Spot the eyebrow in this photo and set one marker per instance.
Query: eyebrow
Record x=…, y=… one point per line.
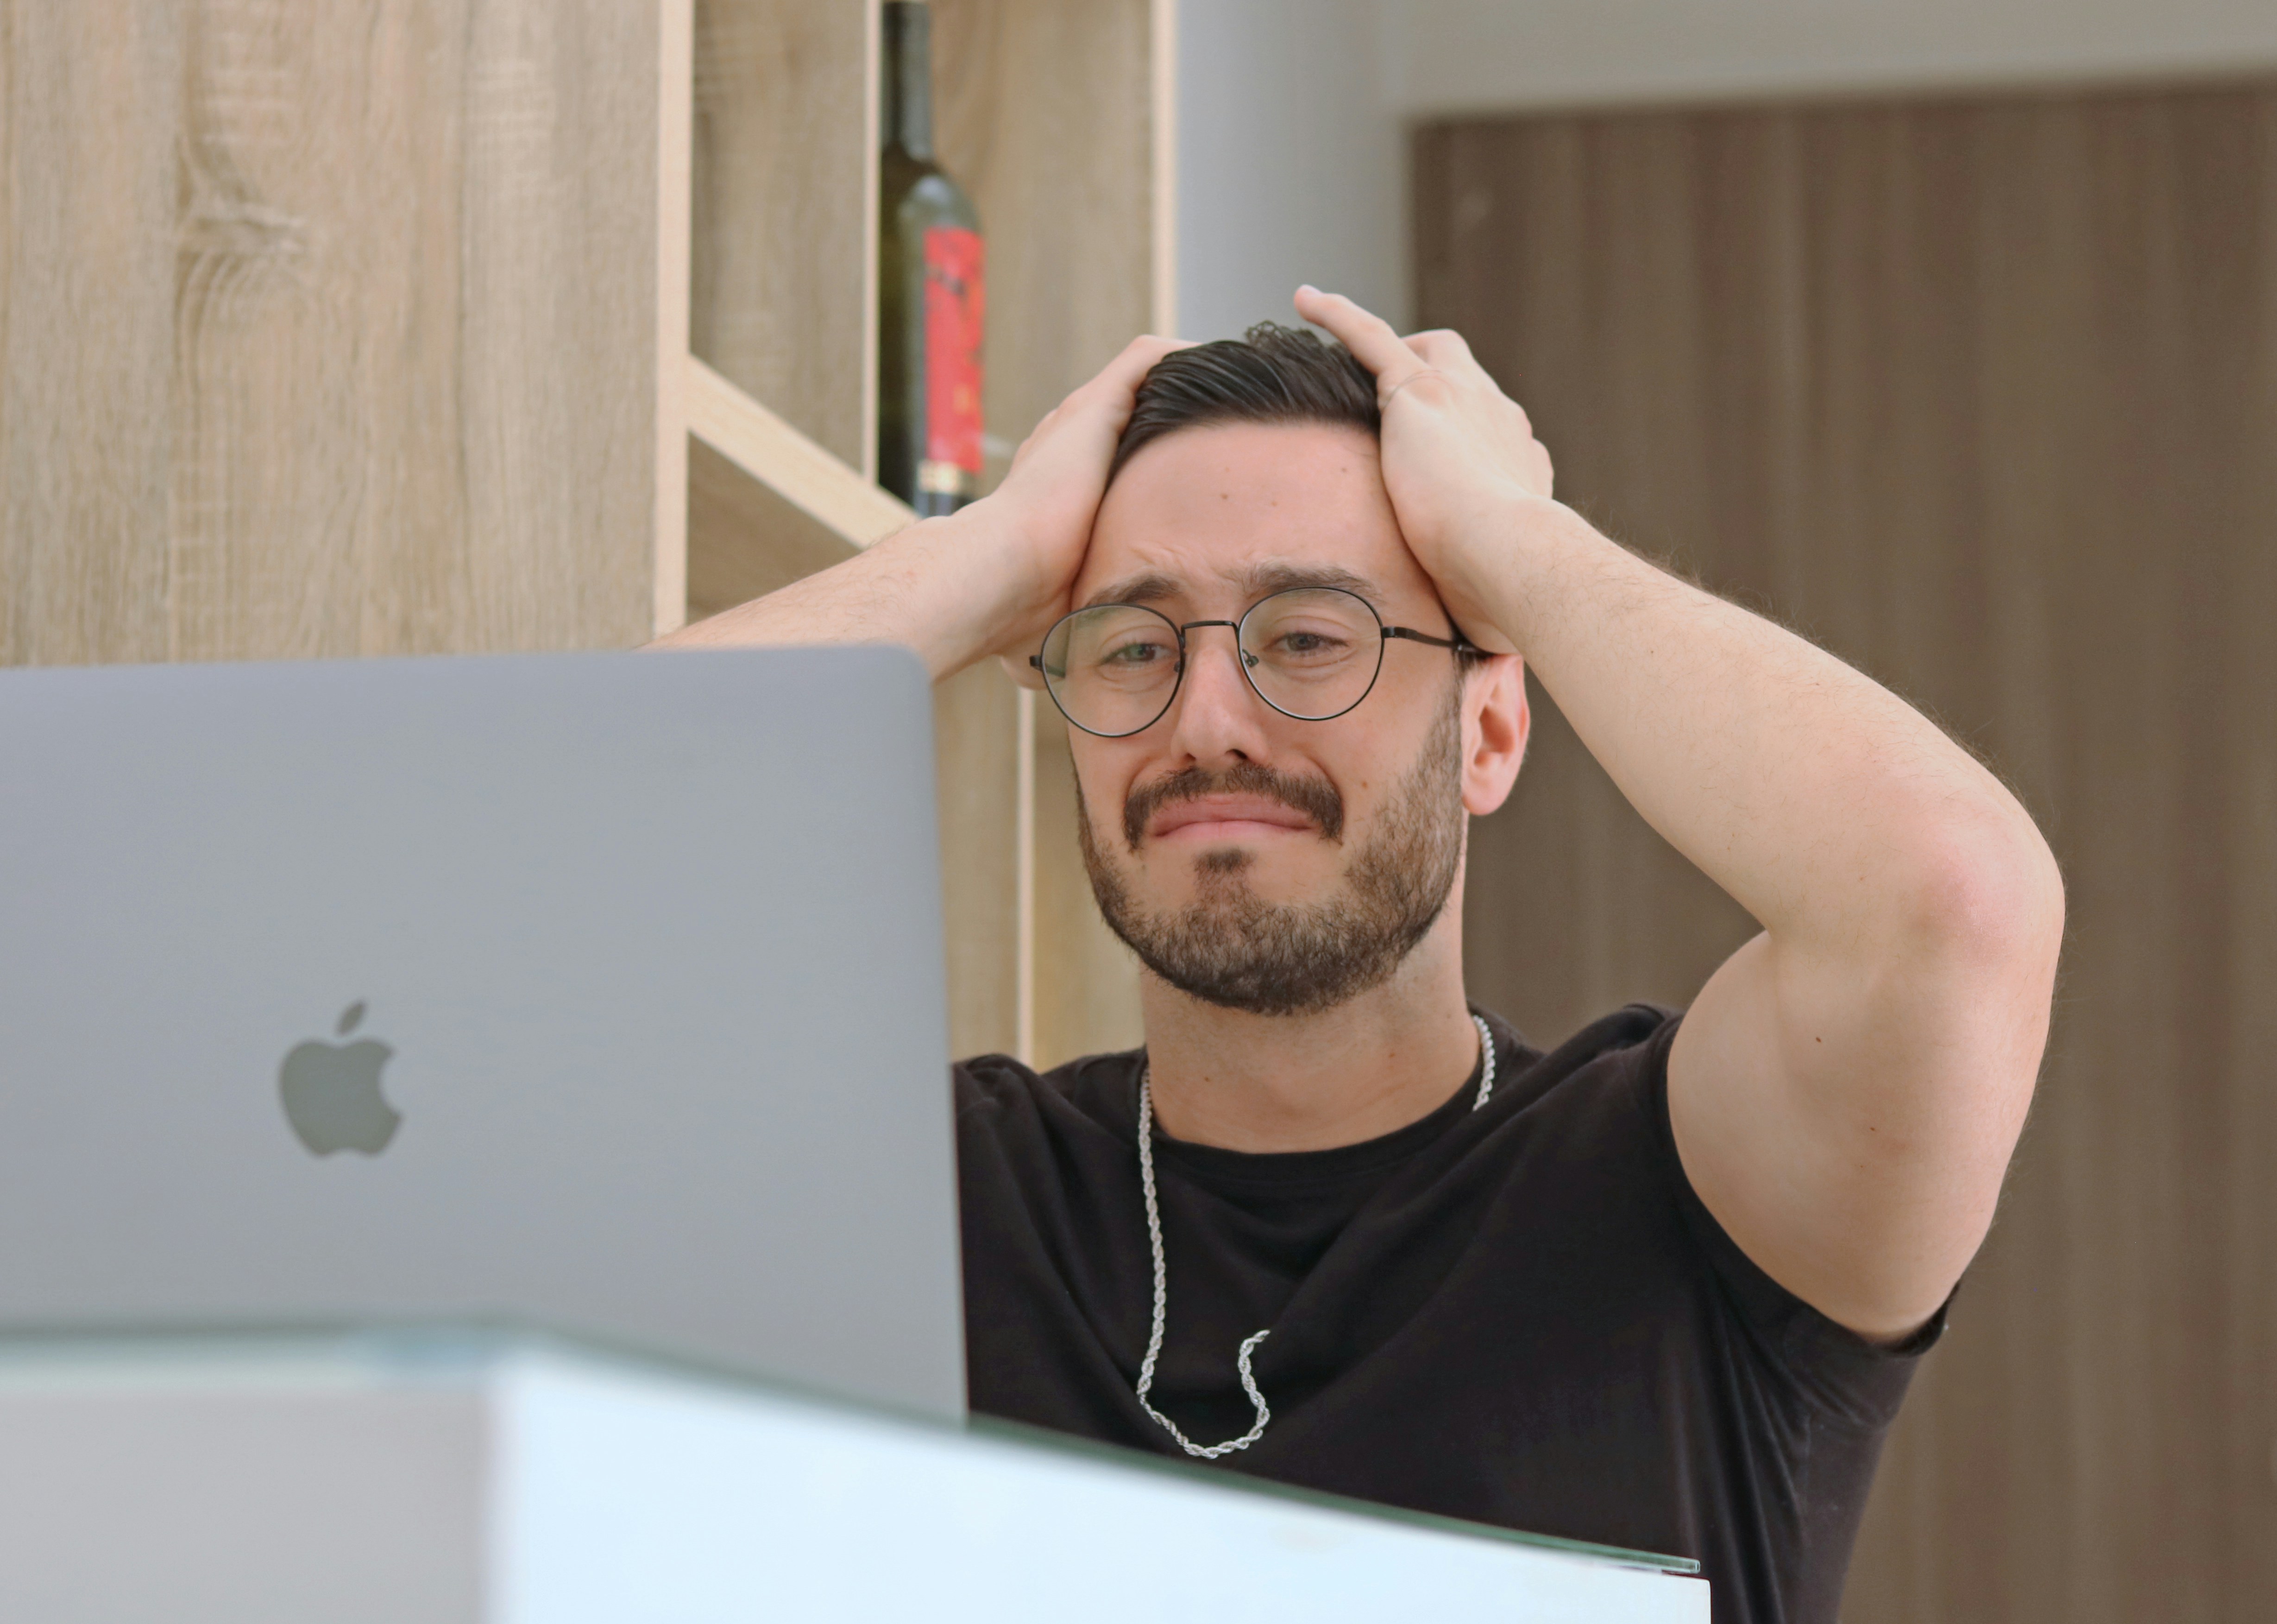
x=1257, y=581
x=1152, y=586
x=1281, y=575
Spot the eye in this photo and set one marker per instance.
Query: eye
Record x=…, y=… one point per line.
x=1137, y=651
x=1309, y=644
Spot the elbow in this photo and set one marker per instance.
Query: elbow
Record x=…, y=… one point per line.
x=1988, y=898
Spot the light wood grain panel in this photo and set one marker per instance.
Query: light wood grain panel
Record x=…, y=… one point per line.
x=1162, y=70
x=1045, y=113
x=785, y=193
x=317, y=502
x=745, y=539
x=90, y=105
x=783, y=309
x=674, y=120
x=770, y=450
x=347, y=327
x=975, y=721
x=1087, y=981
x=1983, y=395
x=371, y=363
x=558, y=286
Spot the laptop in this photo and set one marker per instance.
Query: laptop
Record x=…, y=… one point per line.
x=596, y=993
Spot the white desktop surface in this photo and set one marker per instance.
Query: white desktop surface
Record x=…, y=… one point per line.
x=393, y=1478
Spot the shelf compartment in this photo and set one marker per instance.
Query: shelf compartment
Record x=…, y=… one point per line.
x=802, y=473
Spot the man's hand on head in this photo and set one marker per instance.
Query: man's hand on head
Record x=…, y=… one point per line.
x=1043, y=511
x=1846, y=1091
x=988, y=579
x=1458, y=455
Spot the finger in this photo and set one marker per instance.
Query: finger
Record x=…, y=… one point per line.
x=1367, y=335
x=1036, y=436
x=1123, y=375
x=1441, y=346
x=1020, y=452
x=1447, y=351
x=1110, y=393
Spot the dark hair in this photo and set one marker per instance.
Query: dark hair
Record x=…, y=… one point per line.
x=1270, y=374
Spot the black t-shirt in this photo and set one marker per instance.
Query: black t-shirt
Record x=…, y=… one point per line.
x=1520, y=1315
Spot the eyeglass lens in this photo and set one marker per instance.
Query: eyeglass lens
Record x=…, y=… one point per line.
x=1312, y=653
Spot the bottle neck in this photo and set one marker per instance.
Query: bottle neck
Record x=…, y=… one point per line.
x=908, y=76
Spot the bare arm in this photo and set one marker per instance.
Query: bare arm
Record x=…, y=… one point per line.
x=991, y=578
x=938, y=587
x=1849, y=1086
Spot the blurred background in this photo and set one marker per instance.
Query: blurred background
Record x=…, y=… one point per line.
x=1944, y=331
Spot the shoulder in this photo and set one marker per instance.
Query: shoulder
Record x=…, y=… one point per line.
x=997, y=1092
x=1614, y=1073
x=1617, y=1059
x=1035, y=1148
x=984, y=1080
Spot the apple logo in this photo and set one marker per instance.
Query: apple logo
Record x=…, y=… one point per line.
x=332, y=1091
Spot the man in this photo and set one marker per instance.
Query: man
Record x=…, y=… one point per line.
x=1661, y=1287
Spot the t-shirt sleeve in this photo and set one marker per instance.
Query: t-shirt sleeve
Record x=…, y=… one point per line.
x=1842, y=1370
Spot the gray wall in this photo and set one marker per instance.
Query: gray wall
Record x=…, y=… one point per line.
x=1292, y=113
x=1289, y=162
x=1451, y=55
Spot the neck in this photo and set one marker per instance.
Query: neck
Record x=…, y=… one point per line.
x=1311, y=1082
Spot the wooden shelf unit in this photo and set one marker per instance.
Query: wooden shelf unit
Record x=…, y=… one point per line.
x=1055, y=118
x=404, y=326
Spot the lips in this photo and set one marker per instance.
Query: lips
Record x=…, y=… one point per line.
x=1214, y=816
x=1245, y=798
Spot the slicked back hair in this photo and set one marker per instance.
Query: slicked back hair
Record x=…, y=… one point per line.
x=1270, y=374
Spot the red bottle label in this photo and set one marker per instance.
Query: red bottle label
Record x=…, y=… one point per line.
x=955, y=306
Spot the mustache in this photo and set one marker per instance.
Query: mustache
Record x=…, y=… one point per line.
x=1315, y=797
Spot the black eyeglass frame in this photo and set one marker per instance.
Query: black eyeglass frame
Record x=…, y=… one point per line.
x=1460, y=644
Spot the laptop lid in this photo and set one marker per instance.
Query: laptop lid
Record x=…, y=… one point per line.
x=601, y=992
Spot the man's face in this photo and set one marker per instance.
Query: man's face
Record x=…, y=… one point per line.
x=1258, y=861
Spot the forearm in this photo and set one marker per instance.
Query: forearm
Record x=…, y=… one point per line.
x=1833, y=811
x=927, y=588
x=1846, y=1090
x=992, y=577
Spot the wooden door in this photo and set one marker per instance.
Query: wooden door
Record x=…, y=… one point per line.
x=1982, y=395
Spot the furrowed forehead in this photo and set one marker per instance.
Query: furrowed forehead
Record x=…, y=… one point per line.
x=1222, y=515
x=1252, y=580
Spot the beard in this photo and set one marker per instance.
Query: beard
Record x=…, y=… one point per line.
x=1233, y=949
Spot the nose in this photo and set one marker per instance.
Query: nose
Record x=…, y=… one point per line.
x=1217, y=717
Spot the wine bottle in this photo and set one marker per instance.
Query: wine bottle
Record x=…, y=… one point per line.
x=931, y=292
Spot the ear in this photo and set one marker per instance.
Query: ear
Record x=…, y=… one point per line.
x=1496, y=723
x=1016, y=667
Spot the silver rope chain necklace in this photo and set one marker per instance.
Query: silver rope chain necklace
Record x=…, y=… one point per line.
x=1212, y=1452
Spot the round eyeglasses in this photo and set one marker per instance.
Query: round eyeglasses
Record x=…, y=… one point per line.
x=1311, y=652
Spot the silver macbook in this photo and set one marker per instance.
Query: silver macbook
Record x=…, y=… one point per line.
x=597, y=991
